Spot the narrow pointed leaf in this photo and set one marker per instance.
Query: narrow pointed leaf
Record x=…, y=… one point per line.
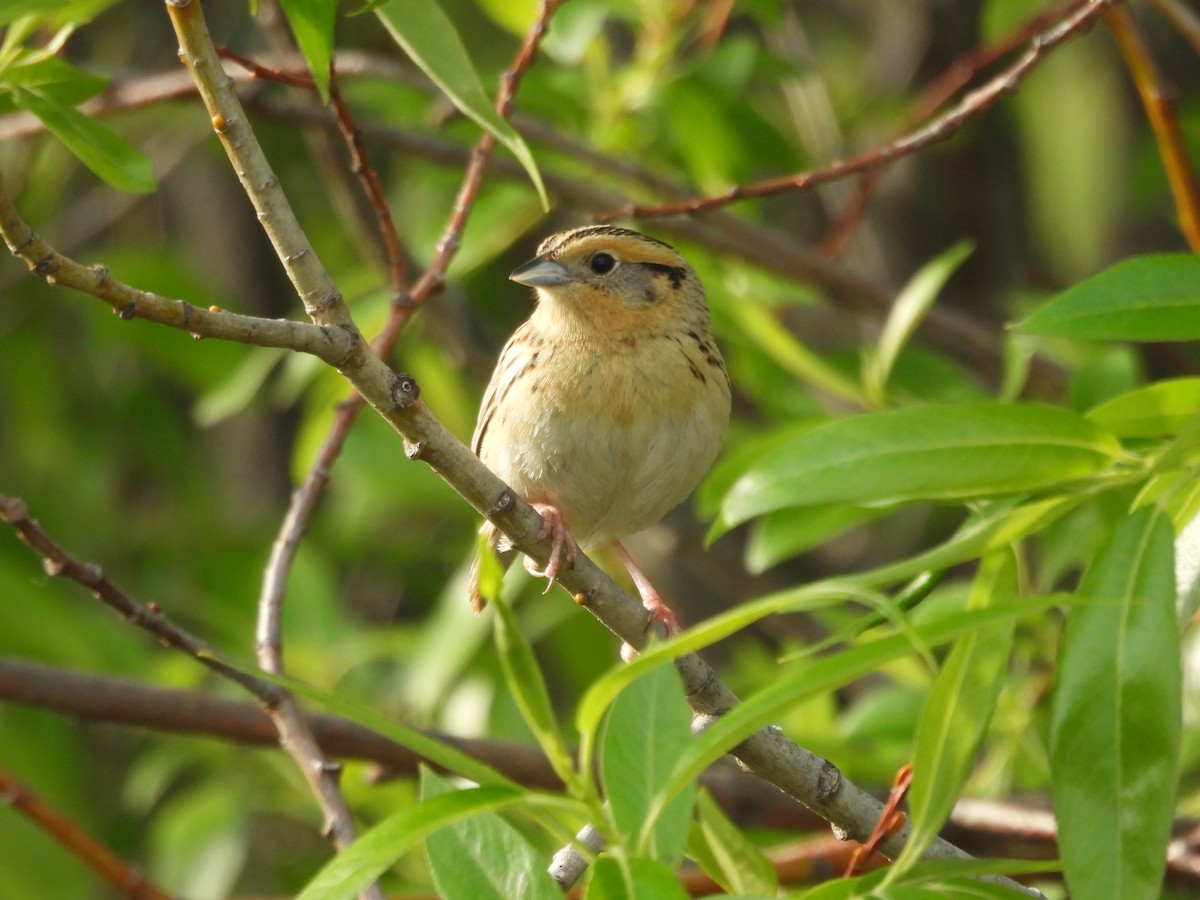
x=959, y=708
x=1115, y=729
x=356, y=867
x=312, y=23
x=938, y=452
x=725, y=853
x=1155, y=410
x=428, y=36
x=528, y=687
x=109, y=157
x=910, y=307
x=1149, y=298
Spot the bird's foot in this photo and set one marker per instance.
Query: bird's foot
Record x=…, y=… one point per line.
x=651, y=600
x=562, y=545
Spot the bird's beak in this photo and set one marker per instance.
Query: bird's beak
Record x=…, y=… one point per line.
x=541, y=272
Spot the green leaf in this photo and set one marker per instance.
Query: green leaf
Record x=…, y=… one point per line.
x=647, y=727
x=633, y=879
x=725, y=854
x=910, y=307
x=356, y=867
x=483, y=857
x=98, y=148
x=1115, y=728
x=956, y=714
x=943, y=452
x=428, y=36
x=1155, y=410
x=808, y=677
x=312, y=23
x=949, y=878
x=54, y=77
x=528, y=687
x=1149, y=298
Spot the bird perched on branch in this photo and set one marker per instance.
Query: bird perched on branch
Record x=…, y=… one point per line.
x=610, y=403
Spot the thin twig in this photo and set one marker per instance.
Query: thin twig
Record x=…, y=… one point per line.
x=124, y=878
x=305, y=498
x=1159, y=104
x=325, y=306
x=940, y=129
x=953, y=79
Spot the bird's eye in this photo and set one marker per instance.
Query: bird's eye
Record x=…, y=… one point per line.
x=602, y=263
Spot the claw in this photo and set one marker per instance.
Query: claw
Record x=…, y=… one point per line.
x=562, y=545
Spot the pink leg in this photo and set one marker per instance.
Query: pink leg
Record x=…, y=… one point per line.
x=562, y=547
x=650, y=597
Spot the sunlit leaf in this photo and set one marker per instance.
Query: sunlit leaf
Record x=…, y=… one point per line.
x=312, y=23
x=428, y=36
x=1149, y=298
x=98, y=148
x=483, y=856
x=940, y=452
x=1152, y=411
x=909, y=308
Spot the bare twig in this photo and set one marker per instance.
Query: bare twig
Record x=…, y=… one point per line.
x=940, y=129
x=324, y=305
x=938, y=92
x=1159, y=104
x=124, y=878
x=305, y=498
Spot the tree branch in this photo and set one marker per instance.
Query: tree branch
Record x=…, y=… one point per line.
x=124, y=878
x=935, y=131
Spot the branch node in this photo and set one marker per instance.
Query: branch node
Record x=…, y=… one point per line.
x=503, y=503
x=53, y=567
x=127, y=312
x=829, y=782
x=584, y=598
x=405, y=391
x=414, y=450
x=102, y=275
x=45, y=267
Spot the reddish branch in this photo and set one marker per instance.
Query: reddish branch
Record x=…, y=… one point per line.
x=1159, y=104
x=940, y=129
x=955, y=78
x=127, y=880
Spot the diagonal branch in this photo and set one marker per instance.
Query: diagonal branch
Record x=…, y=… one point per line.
x=935, y=131
x=123, y=877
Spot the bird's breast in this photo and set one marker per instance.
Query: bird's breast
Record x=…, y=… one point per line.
x=614, y=437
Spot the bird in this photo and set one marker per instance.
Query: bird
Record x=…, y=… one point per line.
x=609, y=404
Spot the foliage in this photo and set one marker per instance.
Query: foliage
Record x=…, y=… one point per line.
x=944, y=528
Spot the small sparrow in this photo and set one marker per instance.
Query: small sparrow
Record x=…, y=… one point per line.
x=610, y=403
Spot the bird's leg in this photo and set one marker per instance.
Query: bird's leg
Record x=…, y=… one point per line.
x=650, y=597
x=562, y=545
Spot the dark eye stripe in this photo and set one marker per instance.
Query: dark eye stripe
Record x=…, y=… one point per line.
x=676, y=274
